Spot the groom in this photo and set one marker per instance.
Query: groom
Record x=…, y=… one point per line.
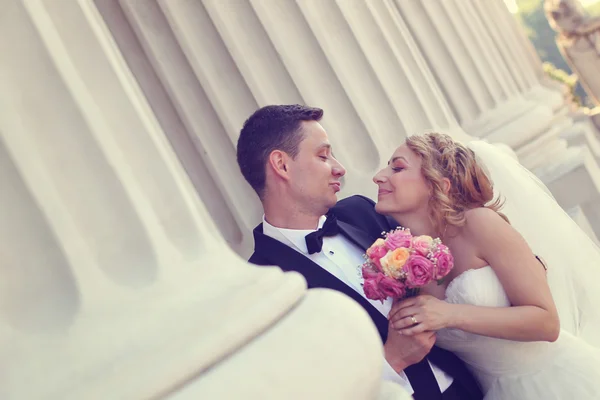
x=285, y=155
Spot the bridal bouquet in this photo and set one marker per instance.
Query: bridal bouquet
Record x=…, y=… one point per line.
x=399, y=265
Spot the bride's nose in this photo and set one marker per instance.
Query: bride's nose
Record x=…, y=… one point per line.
x=379, y=177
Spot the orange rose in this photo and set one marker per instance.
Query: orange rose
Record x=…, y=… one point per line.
x=393, y=262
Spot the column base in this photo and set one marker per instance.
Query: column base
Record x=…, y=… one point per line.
x=596, y=119
x=544, y=95
x=554, y=85
x=546, y=146
x=514, y=123
x=575, y=182
x=583, y=133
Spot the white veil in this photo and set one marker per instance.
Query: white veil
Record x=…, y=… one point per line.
x=573, y=259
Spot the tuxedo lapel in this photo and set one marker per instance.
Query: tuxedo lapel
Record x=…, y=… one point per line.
x=359, y=237
x=288, y=259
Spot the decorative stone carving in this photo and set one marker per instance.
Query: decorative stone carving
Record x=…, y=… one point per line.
x=578, y=40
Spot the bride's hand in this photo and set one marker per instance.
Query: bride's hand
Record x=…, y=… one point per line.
x=419, y=314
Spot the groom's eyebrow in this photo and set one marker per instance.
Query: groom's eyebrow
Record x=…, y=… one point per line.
x=324, y=146
x=327, y=146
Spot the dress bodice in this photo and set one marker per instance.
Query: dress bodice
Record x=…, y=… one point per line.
x=490, y=357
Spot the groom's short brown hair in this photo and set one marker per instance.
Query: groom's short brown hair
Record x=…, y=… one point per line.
x=274, y=127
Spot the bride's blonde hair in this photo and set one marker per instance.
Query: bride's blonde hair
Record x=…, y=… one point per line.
x=471, y=187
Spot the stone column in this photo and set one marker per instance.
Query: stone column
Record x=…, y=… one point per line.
x=473, y=92
x=526, y=65
x=517, y=77
x=526, y=70
x=473, y=78
x=111, y=266
x=388, y=46
x=549, y=155
x=201, y=105
x=491, y=58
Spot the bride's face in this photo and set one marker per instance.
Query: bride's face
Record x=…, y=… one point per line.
x=402, y=186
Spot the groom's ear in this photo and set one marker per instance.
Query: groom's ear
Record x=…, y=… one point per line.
x=278, y=162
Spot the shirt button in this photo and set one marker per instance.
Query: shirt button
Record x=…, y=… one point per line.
x=331, y=252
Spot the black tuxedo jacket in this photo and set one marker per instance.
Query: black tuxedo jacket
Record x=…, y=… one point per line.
x=359, y=223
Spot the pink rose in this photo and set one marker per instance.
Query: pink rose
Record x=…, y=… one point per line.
x=419, y=270
x=375, y=253
x=368, y=272
x=378, y=243
x=372, y=289
x=444, y=262
x=422, y=244
x=391, y=287
x=398, y=238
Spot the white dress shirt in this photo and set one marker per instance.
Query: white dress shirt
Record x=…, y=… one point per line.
x=343, y=259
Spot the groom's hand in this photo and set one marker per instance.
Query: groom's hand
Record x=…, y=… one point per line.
x=402, y=351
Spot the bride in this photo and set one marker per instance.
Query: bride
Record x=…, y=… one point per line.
x=525, y=331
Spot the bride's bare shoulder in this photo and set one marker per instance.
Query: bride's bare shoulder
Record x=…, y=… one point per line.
x=480, y=220
x=478, y=214
x=466, y=242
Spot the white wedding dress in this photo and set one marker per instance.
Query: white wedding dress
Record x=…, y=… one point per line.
x=566, y=369
x=570, y=367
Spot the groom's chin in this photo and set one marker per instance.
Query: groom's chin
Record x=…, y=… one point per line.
x=333, y=201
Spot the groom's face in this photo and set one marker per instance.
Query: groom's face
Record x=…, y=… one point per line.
x=315, y=173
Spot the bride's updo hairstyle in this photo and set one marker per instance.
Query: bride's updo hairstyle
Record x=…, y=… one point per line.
x=470, y=187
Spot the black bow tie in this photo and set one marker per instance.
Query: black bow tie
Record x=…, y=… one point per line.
x=314, y=240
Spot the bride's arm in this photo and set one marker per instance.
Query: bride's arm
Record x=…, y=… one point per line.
x=533, y=315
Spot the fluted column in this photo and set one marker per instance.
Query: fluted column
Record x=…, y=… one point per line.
x=526, y=71
x=329, y=25
x=258, y=56
x=509, y=104
x=389, y=48
x=256, y=61
x=201, y=121
x=110, y=265
x=526, y=65
x=468, y=32
x=473, y=91
x=490, y=55
x=434, y=39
